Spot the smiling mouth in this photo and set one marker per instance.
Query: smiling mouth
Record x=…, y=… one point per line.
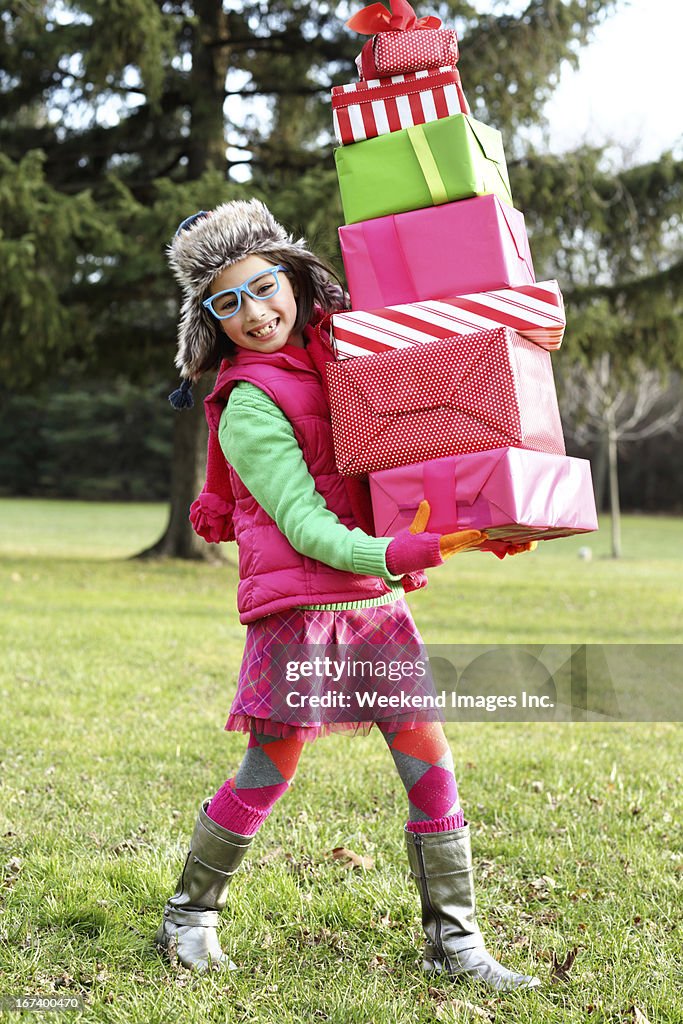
x=267, y=329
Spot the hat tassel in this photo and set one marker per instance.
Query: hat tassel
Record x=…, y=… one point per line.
x=182, y=398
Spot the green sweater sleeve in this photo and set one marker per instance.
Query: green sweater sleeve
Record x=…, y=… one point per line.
x=259, y=442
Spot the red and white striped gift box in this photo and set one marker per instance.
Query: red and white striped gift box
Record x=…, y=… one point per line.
x=364, y=110
x=536, y=311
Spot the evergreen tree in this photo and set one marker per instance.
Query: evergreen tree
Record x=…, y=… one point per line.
x=131, y=105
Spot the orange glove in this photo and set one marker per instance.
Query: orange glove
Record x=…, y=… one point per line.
x=501, y=548
x=517, y=549
x=414, y=549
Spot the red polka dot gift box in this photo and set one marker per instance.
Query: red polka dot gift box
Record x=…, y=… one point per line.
x=401, y=41
x=391, y=53
x=514, y=494
x=456, y=395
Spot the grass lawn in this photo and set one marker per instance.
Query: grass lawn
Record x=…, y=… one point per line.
x=116, y=680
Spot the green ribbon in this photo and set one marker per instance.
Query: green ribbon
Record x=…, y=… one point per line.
x=428, y=165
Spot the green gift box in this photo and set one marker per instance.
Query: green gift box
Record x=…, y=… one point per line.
x=426, y=165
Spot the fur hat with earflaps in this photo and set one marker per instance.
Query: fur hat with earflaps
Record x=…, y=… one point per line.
x=209, y=242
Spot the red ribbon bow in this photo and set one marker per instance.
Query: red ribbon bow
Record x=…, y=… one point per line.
x=376, y=18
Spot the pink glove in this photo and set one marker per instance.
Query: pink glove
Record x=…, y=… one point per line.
x=409, y=552
x=414, y=549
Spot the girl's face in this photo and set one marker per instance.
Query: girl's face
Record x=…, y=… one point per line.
x=261, y=325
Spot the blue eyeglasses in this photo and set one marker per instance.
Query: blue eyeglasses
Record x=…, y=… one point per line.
x=259, y=286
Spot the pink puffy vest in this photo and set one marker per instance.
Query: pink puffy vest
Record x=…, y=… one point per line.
x=273, y=576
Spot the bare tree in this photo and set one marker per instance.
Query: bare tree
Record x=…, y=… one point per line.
x=600, y=405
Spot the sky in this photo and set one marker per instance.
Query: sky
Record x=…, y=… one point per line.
x=629, y=86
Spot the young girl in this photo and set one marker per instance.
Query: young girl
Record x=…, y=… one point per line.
x=310, y=576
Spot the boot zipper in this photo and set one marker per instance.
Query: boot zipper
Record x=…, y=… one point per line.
x=435, y=917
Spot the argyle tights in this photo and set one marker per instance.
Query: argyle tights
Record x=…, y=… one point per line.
x=421, y=755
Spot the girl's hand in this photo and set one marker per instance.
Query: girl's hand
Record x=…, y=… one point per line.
x=414, y=549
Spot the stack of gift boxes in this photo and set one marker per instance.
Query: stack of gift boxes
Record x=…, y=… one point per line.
x=443, y=386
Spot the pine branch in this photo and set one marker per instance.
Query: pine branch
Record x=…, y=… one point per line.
x=281, y=90
x=667, y=280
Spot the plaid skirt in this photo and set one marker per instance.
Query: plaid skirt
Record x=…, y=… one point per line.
x=261, y=701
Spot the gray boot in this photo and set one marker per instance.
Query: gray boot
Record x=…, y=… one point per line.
x=188, y=929
x=441, y=864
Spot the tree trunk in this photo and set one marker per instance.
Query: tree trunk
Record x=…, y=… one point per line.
x=210, y=61
x=206, y=149
x=615, y=508
x=188, y=468
x=600, y=462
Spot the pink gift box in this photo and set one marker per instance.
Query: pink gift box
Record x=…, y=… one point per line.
x=365, y=110
x=514, y=494
x=472, y=245
x=463, y=394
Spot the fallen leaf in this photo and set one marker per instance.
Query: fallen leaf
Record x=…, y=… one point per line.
x=379, y=963
x=560, y=969
x=485, y=868
x=542, y=884
x=638, y=1016
x=305, y=866
x=64, y=981
x=270, y=855
x=459, y=1006
x=349, y=859
x=13, y=866
x=546, y=917
x=131, y=845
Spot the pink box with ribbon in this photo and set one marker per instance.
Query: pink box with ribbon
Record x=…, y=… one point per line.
x=514, y=494
x=468, y=246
